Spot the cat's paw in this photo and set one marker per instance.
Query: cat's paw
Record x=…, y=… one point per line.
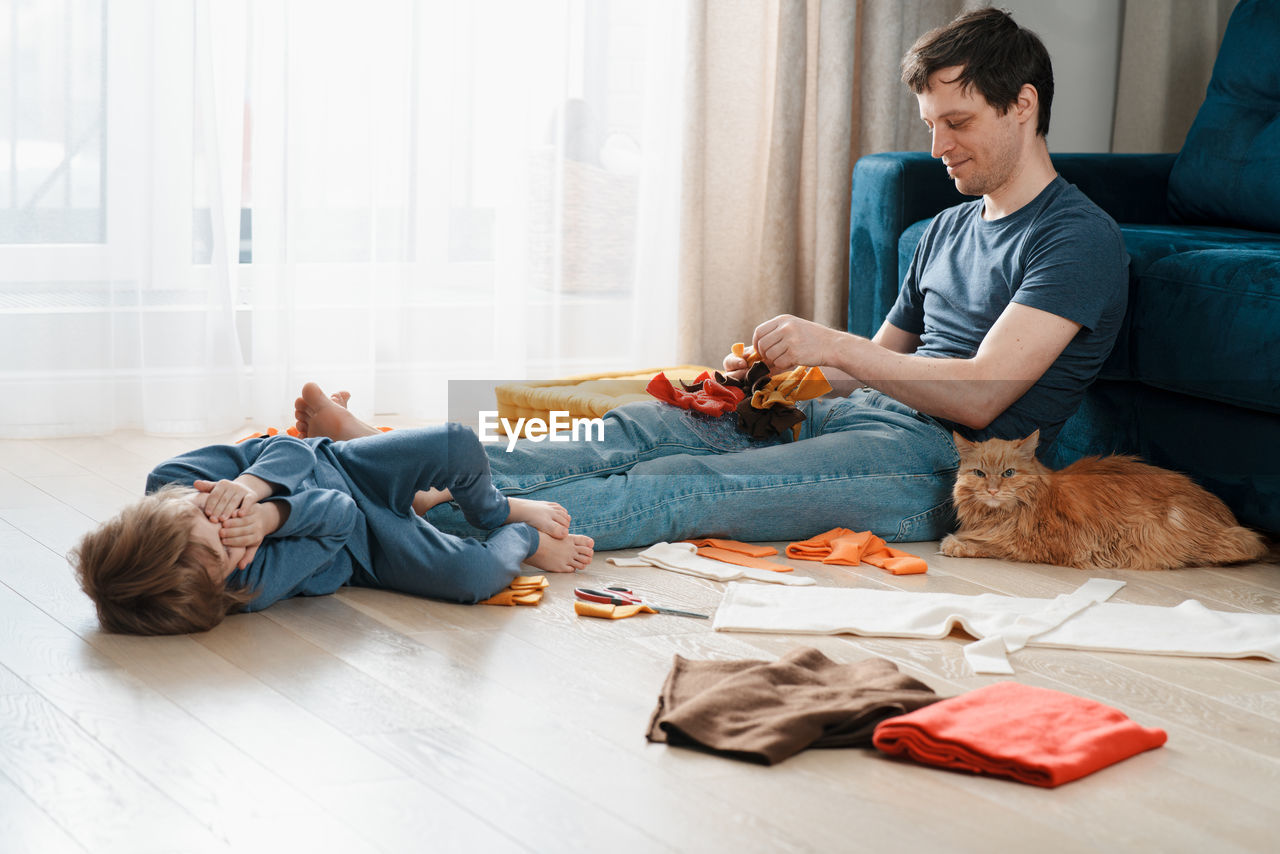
x=953, y=546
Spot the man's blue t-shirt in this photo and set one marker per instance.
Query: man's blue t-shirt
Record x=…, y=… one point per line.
x=1059, y=253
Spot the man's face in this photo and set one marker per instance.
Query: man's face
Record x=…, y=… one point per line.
x=979, y=146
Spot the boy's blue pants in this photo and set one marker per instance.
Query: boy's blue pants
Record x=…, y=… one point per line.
x=408, y=553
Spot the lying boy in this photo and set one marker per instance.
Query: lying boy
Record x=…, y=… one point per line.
x=230, y=528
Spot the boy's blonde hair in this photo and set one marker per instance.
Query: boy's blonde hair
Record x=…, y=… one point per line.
x=148, y=576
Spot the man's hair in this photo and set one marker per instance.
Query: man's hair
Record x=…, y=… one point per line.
x=147, y=575
x=998, y=59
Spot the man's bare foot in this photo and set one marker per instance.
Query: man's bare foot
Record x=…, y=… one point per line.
x=562, y=555
x=318, y=415
x=547, y=516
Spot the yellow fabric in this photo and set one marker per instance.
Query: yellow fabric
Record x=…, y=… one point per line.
x=523, y=590
x=609, y=612
x=584, y=396
x=740, y=350
x=800, y=383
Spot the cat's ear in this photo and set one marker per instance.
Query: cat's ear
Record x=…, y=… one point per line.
x=1030, y=443
x=962, y=444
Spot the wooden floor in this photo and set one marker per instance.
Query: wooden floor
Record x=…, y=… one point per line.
x=368, y=721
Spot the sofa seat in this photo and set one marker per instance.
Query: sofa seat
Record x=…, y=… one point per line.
x=1204, y=324
x=1149, y=243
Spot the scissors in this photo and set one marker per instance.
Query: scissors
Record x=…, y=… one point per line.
x=623, y=596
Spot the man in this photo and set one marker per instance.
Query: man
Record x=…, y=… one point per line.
x=1005, y=330
x=1012, y=303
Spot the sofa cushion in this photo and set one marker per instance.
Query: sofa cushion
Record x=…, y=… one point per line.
x=1204, y=323
x=1229, y=168
x=1147, y=244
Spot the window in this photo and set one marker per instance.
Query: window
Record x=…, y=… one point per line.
x=52, y=122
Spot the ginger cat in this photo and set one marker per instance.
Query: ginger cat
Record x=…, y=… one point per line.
x=1098, y=513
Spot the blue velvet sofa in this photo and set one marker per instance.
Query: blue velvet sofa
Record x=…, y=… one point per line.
x=1194, y=381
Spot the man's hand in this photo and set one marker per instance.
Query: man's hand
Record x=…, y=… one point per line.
x=735, y=367
x=250, y=526
x=787, y=341
x=227, y=498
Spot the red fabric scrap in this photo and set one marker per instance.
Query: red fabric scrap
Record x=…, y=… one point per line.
x=710, y=398
x=1032, y=735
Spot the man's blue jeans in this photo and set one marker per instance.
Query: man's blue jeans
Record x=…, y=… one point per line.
x=865, y=462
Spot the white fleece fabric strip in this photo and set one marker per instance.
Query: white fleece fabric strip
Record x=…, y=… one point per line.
x=1188, y=629
x=990, y=655
x=684, y=558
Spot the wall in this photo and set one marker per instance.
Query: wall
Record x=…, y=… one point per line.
x=1083, y=38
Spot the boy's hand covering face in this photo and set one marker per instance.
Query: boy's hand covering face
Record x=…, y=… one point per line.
x=250, y=526
x=247, y=529
x=209, y=532
x=228, y=498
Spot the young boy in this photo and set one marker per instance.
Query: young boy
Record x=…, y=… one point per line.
x=239, y=527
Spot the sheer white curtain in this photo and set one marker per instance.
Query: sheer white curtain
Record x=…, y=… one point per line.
x=212, y=201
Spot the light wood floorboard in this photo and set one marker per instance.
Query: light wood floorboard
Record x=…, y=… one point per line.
x=371, y=721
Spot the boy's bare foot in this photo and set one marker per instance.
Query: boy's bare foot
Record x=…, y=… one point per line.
x=318, y=415
x=562, y=555
x=547, y=516
x=424, y=500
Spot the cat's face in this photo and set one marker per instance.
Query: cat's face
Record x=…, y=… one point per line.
x=992, y=472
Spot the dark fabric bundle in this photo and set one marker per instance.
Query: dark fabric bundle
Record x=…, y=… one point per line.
x=765, y=711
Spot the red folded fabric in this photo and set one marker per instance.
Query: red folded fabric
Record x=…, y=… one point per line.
x=1032, y=735
x=712, y=398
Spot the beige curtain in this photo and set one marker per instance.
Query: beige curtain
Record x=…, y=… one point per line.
x=1167, y=49
x=782, y=97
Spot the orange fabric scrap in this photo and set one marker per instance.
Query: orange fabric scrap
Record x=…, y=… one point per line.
x=607, y=611
x=523, y=590
x=847, y=548
x=269, y=432
x=290, y=431
x=750, y=549
x=740, y=554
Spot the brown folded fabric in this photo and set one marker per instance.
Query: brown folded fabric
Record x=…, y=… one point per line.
x=765, y=711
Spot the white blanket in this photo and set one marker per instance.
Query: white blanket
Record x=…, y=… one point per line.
x=1080, y=620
